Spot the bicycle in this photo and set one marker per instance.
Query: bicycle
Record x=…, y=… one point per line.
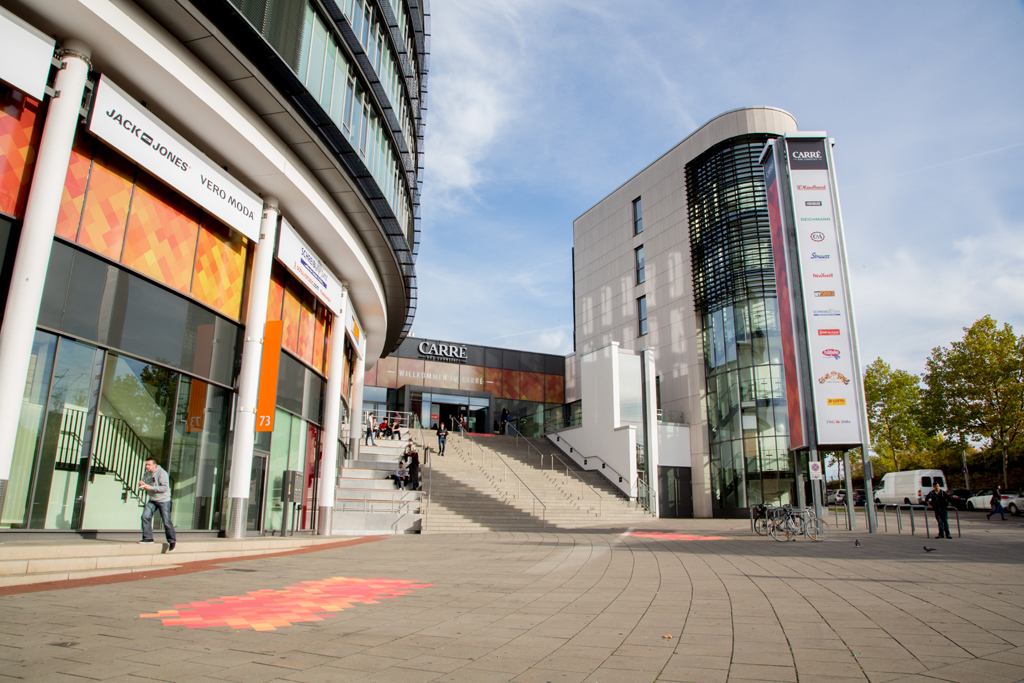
x=787, y=523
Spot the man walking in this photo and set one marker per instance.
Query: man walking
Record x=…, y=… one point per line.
x=442, y=437
x=157, y=485
x=939, y=501
x=997, y=504
x=369, y=431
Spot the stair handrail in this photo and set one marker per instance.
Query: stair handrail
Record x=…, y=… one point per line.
x=508, y=468
x=101, y=443
x=600, y=497
x=573, y=449
x=429, y=463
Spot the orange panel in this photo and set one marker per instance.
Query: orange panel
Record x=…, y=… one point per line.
x=328, y=330
x=410, y=371
x=270, y=363
x=21, y=125
x=292, y=314
x=510, y=384
x=370, y=377
x=106, y=203
x=554, y=389
x=531, y=386
x=440, y=375
x=73, y=197
x=492, y=381
x=307, y=326
x=162, y=233
x=471, y=378
x=276, y=298
x=219, y=278
x=318, y=337
x=195, y=415
x=387, y=373
x=345, y=374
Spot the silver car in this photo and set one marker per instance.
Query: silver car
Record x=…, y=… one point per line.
x=1011, y=500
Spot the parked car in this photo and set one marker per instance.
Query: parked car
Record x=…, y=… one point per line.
x=908, y=488
x=1012, y=501
x=959, y=498
x=830, y=496
x=859, y=497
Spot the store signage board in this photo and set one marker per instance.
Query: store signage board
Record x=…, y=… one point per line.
x=124, y=124
x=304, y=264
x=355, y=332
x=26, y=55
x=820, y=264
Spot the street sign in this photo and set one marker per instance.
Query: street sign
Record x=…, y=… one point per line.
x=816, y=471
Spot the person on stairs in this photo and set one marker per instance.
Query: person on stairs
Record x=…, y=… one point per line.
x=442, y=437
x=414, y=467
x=401, y=475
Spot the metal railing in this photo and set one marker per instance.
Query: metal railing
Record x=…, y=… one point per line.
x=913, y=527
x=646, y=497
x=116, y=450
x=520, y=484
x=403, y=506
x=573, y=449
x=583, y=484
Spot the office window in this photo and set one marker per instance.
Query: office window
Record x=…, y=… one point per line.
x=641, y=308
x=638, y=217
x=640, y=277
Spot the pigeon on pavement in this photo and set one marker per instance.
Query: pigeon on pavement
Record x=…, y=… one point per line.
x=929, y=550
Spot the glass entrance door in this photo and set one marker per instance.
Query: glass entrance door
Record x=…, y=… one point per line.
x=257, y=490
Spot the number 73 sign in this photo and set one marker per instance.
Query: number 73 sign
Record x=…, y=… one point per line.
x=267, y=399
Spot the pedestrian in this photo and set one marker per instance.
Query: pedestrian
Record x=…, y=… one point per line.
x=369, y=431
x=401, y=474
x=157, y=486
x=442, y=437
x=414, y=467
x=997, y=504
x=504, y=420
x=939, y=501
x=396, y=430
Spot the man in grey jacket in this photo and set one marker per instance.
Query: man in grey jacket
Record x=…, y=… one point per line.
x=157, y=484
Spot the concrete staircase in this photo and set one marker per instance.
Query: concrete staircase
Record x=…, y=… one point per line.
x=486, y=484
x=366, y=502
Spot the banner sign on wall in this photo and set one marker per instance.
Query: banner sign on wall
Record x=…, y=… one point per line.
x=304, y=264
x=26, y=55
x=355, y=332
x=814, y=306
x=125, y=125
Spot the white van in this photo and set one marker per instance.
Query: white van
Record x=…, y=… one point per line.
x=908, y=487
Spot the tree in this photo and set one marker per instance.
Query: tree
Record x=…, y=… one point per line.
x=894, y=410
x=975, y=388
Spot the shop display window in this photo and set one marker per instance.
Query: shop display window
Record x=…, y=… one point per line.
x=21, y=125
x=219, y=279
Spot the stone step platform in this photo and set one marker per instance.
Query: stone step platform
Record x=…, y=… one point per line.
x=25, y=562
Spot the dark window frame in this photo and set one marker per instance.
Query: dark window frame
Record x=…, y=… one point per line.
x=641, y=312
x=638, y=216
x=638, y=257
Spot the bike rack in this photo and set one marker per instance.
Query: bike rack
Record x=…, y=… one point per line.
x=913, y=527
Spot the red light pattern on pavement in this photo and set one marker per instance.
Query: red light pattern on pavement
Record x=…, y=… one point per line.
x=669, y=536
x=268, y=610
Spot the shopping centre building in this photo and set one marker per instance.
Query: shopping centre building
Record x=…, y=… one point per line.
x=678, y=358
x=208, y=229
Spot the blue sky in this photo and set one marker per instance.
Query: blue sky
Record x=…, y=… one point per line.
x=538, y=109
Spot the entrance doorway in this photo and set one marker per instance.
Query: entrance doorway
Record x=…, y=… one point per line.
x=257, y=490
x=675, y=492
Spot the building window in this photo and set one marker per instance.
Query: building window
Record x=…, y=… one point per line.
x=638, y=217
x=641, y=308
x=640, y=277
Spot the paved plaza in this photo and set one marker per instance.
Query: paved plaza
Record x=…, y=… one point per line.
x=676, y=600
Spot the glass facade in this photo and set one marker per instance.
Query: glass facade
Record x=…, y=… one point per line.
x=734, y=289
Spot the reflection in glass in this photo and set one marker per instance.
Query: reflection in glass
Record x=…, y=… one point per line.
x=136, y=415
x=30, y=426
x=198, y=454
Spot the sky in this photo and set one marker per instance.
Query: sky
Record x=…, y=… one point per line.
x=537, y=109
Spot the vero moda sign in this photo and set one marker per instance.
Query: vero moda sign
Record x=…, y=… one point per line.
x=125, y=125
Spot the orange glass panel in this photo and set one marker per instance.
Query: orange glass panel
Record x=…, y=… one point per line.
x=510, y=384
x=106, y=203
x=531, y=386
x=21, y=125
x=318, y=336
x=554, y=389
x=440, y=375
x=307, y=326
x=162, y=233
x=471, y=378
x=276, y=298
x=291, y=315
x=73, y=197
x=370, y=377
x=387, y=373
x=346, y=373
x=328, y=330
x=219, y=278
x=492, y=381
x=410, y=371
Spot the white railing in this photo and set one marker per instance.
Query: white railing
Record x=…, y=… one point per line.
x=583, y=484
x=520, y=484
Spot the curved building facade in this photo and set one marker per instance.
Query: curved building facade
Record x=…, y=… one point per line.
x=209, y=219
x=673, y=277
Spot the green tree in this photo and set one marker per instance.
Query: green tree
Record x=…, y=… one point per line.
x=894, y=410
x=975, y=388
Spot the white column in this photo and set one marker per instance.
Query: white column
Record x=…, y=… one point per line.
x=651, y=421
x=249, y=376
x=355, y=434
x=30, y=264
x=332, y=422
